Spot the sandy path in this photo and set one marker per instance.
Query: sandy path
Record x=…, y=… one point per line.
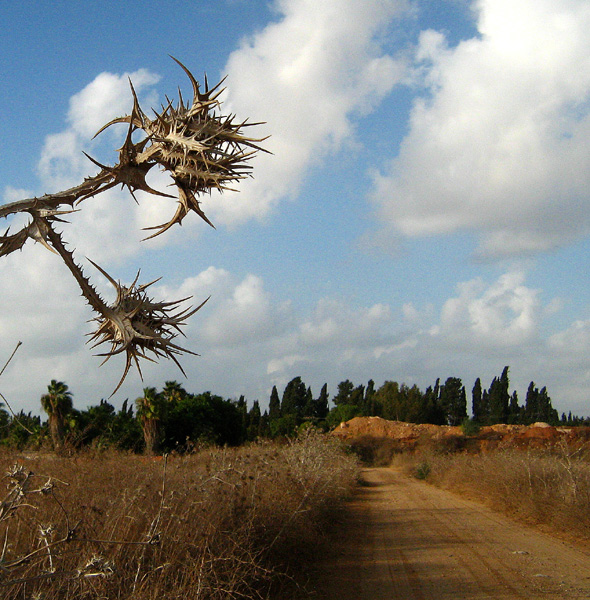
x=411, y=541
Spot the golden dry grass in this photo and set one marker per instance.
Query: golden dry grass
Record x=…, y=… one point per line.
x=540, y=487
x=239, y=523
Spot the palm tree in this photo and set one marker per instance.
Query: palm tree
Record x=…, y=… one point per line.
x=173, y=392
x=150, y=412
x=57, y=403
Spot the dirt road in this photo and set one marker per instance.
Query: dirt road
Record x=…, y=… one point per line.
x=411, y=541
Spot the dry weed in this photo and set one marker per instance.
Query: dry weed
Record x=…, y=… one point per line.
x=542, y=487
x=223, y=523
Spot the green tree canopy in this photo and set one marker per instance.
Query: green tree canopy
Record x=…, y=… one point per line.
x=453, y=401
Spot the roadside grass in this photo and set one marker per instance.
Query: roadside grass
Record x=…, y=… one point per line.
x=221, y=523
x=549, y=487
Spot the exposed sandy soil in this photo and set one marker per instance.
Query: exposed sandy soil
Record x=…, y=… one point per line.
x=408, y=436
x=407, y=540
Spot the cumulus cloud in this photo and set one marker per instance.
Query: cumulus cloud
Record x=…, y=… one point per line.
x=114, y=216
x=37, y=293
x=306, y=75
x=249, y=340
x=335, y=323
x=497, y=143
x=41, y=307
x=108, y=96
x=246, y=314
x=503, y=314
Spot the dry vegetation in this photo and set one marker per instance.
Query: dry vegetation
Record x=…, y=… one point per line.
x=549, y=487
x=220, y=523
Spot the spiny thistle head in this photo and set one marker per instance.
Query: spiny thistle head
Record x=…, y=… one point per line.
x=198, y=147
x=137, y=325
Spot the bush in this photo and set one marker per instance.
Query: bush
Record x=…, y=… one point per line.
x=422, y=471
x=470, y=427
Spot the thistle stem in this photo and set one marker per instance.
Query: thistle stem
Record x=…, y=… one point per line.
x=88, y=290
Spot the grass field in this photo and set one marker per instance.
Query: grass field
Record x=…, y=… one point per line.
x=549, y=487
x=220, y=523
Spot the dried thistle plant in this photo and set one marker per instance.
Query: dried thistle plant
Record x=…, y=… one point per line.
x=201, y=150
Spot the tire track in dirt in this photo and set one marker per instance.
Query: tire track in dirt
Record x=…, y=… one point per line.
x=407, y=540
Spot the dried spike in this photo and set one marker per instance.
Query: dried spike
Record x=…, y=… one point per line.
x=111, y=280
x=126, y=119
x=193, y=81
x=104, y=167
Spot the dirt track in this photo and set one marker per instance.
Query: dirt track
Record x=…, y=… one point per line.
x=410, y=541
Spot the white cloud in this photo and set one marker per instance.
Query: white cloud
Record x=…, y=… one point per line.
x=498, y=143
x=284, y=365
x=306, y=75
x=108, y=96
x=334, y=323
x=247, y=314
x=503, y=314
x=249, y=341
x=573, y=341
x=12, y=194
x=37, y=293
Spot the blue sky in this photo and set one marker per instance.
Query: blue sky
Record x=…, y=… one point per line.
x=425, y=211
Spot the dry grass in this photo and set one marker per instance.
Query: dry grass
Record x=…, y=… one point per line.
x=218, y=524
x=540, y=487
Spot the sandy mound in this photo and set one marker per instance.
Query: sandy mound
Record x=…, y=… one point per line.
x=409, y=435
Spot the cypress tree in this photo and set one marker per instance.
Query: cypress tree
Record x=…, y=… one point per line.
x=499, y=398
x=476, y=404
x=344, y=391
x=294, y=398
x=514, y=411
x=357, y=398
x=321, y=404
x=453, y=401
x=274, y=406
x=532, y=404
x=244, y=415
x=547, y=413
x=485, y=407
x=254, y=418
x=369, y=403
x=309, y=408
x=433, y=411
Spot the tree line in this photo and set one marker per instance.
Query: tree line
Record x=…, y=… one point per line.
x=174, y=419
x=447, y=403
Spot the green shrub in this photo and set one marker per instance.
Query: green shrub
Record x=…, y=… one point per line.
x=422, y=471
x=470, y=427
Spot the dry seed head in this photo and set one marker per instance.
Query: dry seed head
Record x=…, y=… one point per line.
x=18, y=473
x=46, y=531
x=201, y=150
x=136, y=325
x=97, y=566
